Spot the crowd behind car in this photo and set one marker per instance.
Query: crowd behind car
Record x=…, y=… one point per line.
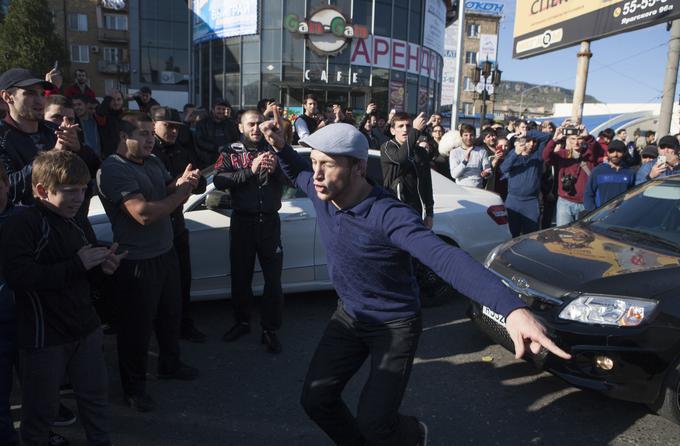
x=60, y=145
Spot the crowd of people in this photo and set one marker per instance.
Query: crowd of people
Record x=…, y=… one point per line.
x=61, y=146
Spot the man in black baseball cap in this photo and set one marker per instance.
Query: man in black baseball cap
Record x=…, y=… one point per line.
x=667, y=163
x=24, y=133
x=166, y=125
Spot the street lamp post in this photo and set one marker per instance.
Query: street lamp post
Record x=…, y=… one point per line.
x=487, y=77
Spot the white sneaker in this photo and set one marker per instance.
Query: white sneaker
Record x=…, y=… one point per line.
x=422, y=434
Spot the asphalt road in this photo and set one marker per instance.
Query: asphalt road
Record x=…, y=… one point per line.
x=246, y=396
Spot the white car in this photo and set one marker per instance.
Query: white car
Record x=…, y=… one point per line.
x=472, y=219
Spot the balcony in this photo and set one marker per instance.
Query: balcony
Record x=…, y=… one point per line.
x=104, y=66
x=113, y=35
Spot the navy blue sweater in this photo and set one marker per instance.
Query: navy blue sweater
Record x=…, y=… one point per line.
x=523, y=173
x=606, y=183
x=369, y=248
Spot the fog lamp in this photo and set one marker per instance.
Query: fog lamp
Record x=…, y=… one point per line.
x=604, y=362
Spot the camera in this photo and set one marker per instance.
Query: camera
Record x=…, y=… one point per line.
x=569, y=131
x=569, y=184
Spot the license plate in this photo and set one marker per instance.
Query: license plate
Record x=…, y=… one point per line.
x=497, y=318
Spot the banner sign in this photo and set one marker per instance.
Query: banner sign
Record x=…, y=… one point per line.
x=435, y=25
x=484, y=8
x=383, y=52
x=542, y=26
x=449, y=70
x=487, y=47
x=219, y=19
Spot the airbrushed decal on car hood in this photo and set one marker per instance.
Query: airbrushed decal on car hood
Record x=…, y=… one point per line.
x=574, y=258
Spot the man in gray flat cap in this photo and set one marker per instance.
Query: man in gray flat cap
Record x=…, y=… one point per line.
x=370, y=237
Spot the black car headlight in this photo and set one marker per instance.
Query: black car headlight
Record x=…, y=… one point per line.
x=608, y=310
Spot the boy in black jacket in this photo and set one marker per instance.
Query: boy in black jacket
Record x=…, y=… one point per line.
x=48, y=262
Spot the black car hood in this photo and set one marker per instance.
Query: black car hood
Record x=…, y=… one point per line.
x=574, y=258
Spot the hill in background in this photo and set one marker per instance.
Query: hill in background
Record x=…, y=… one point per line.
x=509, y=96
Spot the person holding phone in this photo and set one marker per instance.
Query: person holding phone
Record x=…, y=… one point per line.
x=667, y=163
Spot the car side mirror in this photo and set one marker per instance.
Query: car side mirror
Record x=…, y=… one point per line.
x=218, y=199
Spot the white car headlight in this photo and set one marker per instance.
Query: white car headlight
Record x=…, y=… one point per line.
x=608, y=310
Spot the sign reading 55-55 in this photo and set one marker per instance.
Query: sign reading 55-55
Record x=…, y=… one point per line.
x=547, y=25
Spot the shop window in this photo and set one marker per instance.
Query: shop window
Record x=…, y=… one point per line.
x=399, y=24
x=383, y=18
x=251, y=90
x=468, y=108
x=414, y=21
x=468, y=84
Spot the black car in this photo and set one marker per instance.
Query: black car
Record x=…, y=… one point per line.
x=607, y=288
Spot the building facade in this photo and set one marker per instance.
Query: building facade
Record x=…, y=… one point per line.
x=350, y=52
x=96, y=35
x=476, y=27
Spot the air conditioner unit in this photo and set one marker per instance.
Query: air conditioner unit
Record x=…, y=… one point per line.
x=94, y=49
x=171, y=77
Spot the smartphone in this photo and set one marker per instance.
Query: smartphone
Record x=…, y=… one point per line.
x=661, y=160
x=56, y=65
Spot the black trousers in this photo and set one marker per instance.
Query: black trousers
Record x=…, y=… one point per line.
x=148, y=294
x=43, y=371
x=344, y=347
x=182, y=248
x=260, y=235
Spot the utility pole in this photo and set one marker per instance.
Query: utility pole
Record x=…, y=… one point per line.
x=668, y=97
x=459, y=65
x=584, y=56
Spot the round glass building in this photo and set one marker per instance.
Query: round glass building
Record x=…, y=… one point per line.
x=350, y=52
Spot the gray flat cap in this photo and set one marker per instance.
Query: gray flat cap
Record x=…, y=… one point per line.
x=338, y=139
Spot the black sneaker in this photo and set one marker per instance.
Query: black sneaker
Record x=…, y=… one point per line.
x=183, y=373
x=65, y=417
x=141, y=403
x=57, y=440
x=422, y=434
x=236, y=332
x=191, y=334
x=271, y=341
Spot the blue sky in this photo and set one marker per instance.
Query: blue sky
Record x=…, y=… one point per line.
x=628, y=67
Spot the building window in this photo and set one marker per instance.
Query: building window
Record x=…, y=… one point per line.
x=113, y=55
x=469, y=85
x=472, y=30
x=80, y=53
x=116, y=21
x=471, y=57
x=77, y=22
x=110, y=85
x=468, y=108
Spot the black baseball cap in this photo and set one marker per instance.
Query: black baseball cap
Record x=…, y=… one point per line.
x=21, y=77
x=617, y=146
x=650, y=152
x=167, y=114
x=145, y=89
x=669, y=141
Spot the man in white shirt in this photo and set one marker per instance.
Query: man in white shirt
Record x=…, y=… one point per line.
x=469, y=164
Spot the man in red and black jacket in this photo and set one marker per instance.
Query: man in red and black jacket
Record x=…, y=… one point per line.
x=249, y=169
x=575, y=156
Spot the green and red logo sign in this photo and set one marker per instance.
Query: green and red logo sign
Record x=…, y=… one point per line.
x=328, y=31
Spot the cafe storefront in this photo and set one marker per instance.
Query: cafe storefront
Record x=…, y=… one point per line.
x=350, y=52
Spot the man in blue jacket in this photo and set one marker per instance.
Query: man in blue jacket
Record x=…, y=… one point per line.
x=608, y=179
x=369, y=238
x=667, y=163
x=523, y=167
